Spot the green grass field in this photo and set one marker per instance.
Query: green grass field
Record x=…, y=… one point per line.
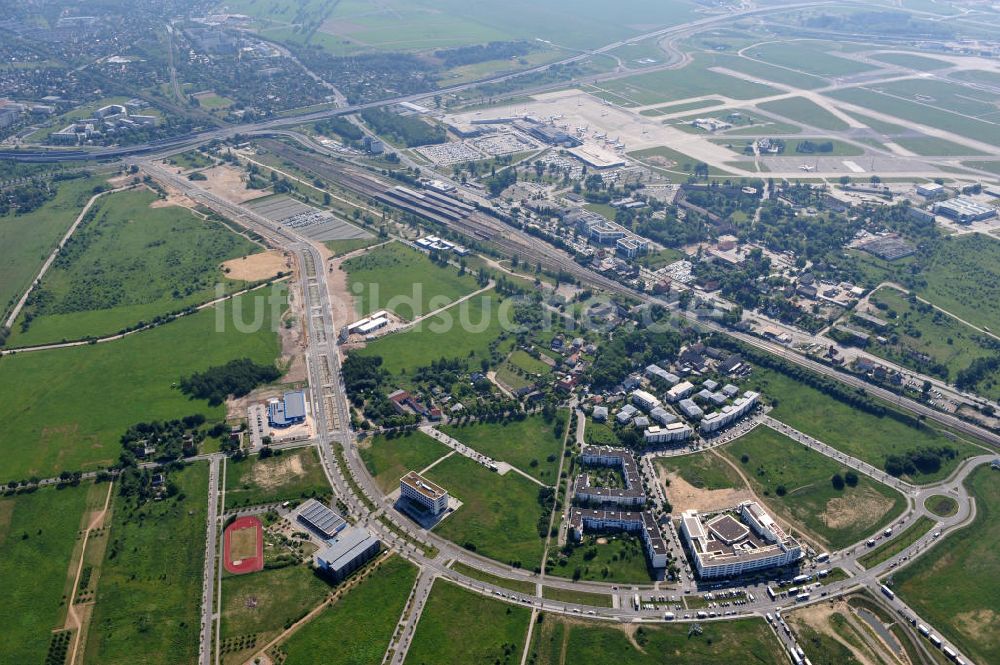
x=578, y=597
x=476, y=574
x=404, y=280
x=669, y=160
x=914, y=532
x=530, y=444
x=130, y=264
x=362, y=621
x=38, y=532
x=348, y=245
x=458, y=626
x=816, y=58
x=704, y=471
x=918, y=330
x=463, y=332
x=769, y=73
x=694, y=80
x=388, y=459
x=611, y=558
x=149, y=597
x=942, y=506
x=800, y=109
x=561, y=641
x=499, y=514
x=26, y=240
x=192, y=159
x=850, y=430
x=286, y=476
x=67, y=408
x=262, y=604
x=932, y=146
x=838, y=517
x=964, y=608
x=963, y=277
x=912, y=61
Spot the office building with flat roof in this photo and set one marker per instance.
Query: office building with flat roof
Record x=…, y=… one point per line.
x=424, y=493
x=735, y=542
x=351, y=549
x=289, y=410
x=320, y=519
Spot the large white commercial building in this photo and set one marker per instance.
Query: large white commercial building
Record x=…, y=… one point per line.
x=740, y=407
x=737, y=542
x=424, y=493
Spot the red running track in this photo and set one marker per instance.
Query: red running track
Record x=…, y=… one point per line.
x=247, y=565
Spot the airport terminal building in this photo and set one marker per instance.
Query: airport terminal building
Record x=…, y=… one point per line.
x=735, y=542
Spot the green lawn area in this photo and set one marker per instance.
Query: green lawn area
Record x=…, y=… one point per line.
x=26, y=240
x=942, y=506
x=68, y=408
x=404, y=280
x=611, y=558
x=578, y=597
x=149, y=596
x=963, y=277
x=855, y=432
x=661, y=258
x=129, y=264
x=705, y=471
x=694, y=80
x=912, y=61
x=531, y=444
x=561, y=641
x=389, y=459
x=348, y=245
x=356, y=629
x=837, y=517
x=951, y=96
x=476, y=574
x=262, y=604
x=499, y=514
x=811, y=57
x=669, y=160
x=769, y=73
x=285, y=476
x=955, y=585
x=889, y=548
x=800, y=109
x=600, y=434
x=917, y=330
x=932, y=146
x=38, y=532
x=458, y=626
x=464, y=332
x=682, y=107
x=192, y=159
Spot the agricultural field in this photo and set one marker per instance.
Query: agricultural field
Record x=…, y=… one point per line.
x=129, y=263
x=38, y=534
x=403, y=280
x=564, y=641
x=919, y=331
x=363, y=620
x=963, y=610
x=149, y=596
x=612, y=558
x=532, y=444
x=458, y=626
x=800, y=109
x=914, y=532
x=68, y=408
x=499, y=514
x=795, y=482
x=389, y=458
x=256, y=607
x=464, y=332
x=837, y=424
x=285, y=476
x=26, y=240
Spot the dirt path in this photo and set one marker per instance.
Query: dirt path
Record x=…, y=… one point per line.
x=73, y=620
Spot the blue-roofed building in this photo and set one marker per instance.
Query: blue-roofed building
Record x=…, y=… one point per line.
x=288, y=411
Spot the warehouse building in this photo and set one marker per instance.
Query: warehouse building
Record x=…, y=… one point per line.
x=736, y=542
x=965, y=210
x=350, y=550
x=288, y=411
x=422, y=492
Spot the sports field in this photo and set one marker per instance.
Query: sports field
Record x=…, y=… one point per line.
x=531, y=444
x=403, y=280
x=149, y=595
x=243, y=546
x=796, y=483
x=458, y=626
x=559, y=640
x=362, y=621
x=38, y=533
x=129, y=264
x=67, y=408
x=389, y=459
